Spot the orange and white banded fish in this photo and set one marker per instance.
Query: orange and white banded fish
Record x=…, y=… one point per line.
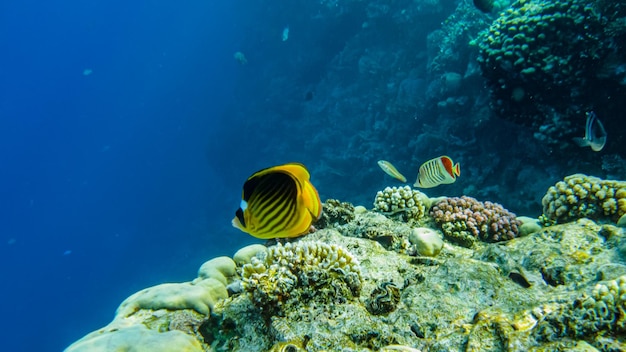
x=437, y=171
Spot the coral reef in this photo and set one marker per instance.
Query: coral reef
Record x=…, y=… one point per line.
x=590, y=316
x=200, y=297
x=137, y=338
x=383, y=299
x=427, y=242
x=403, y=202
x=581, y=196
x=541, y=51
x=558, y=288
x=335, y=213
x=165, y=317
x=302, y=271
x=549, y=62
x=465, y=219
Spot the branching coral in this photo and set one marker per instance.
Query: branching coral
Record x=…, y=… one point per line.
x=300, y=272
x=403, y=201
x=581, y=196
x=465, y=219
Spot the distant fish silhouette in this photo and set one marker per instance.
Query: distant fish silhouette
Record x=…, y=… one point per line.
x=595, y=134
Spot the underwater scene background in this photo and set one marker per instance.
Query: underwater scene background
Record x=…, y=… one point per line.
x=129, y=128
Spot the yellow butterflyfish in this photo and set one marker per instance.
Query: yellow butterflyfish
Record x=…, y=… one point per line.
x=278, y=202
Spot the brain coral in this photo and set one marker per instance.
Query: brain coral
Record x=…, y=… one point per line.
x=465, y=219
x=581, y=196
x=541, y=56
x=405, y=201
x=300, y=272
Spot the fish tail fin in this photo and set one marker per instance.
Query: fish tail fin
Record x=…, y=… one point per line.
x=237, y=224
x=581, y=142
x=311, y=200
x=457, y=169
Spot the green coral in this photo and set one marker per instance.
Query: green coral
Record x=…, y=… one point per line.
x=302, y=271
x=401, y=202
x=581, y=196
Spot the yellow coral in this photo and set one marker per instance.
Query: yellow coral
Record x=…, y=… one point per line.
x=579, y=196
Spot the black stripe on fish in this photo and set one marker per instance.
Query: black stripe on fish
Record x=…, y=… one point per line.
x=284, y=219
x=272, y=210
x=239, y=215
x=268, y=188
x=273, y=202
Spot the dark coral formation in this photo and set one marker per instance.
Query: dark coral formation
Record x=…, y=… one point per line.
x=547, y=62
x=589, y=317
x=335, y=213
x=581, y=196
x=383, y=299
x=465, y=219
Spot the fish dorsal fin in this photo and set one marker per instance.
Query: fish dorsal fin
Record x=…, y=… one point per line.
x=296, y=170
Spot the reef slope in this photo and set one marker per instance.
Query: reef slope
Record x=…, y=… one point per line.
x=360, y=285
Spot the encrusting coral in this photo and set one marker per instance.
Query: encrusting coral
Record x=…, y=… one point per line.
x=301, y=271
x=335, y=213
x=581, y=196
x=465, y=219
x=604, y=311
x=171, y=313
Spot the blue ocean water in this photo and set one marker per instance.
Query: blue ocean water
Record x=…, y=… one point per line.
x=128, y=128
x=108, y=111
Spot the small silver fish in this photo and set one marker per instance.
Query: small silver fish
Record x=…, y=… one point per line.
x=391, y=170
x=595, y=134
